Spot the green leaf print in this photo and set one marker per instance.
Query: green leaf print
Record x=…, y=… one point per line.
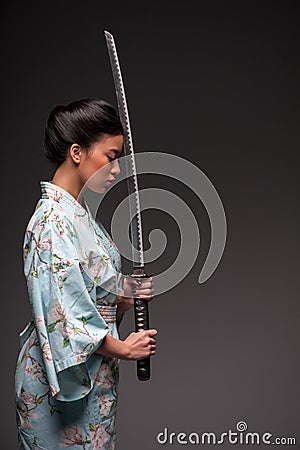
x=51, y=327
x=46, y=216
x=35, y=443
x=105, y=258
x=70, y=230
x=85, y=320
x=66, y=342
x=97, y=280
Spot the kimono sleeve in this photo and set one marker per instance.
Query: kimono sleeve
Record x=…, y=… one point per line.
x=67, y=322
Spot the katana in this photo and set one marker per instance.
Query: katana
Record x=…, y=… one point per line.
x=141, y=312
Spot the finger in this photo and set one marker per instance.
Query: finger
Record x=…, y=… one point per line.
x=130, y=279
x=147, y=298
x=144, y=291
x=140, y=331
x=144, y=296
x=138, y=281
x=152, y=332
x=148, y=279
x=134, y=282
x=144, y=285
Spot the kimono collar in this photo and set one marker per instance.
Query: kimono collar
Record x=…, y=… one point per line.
x=60, y=195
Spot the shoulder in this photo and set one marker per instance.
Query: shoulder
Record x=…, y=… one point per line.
x=48, y=214
x=49, y=223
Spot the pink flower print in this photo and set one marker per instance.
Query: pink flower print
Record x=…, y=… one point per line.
x=53, y=390
x=44, y=243
x=35, y=370
x=97, y=268
x=47, y=352
x=104, y=403
x=30, y=343
x=67, y=332
x=79, y=358
x=40, y=323
x=40, y=228
x=71, y=436
x=68, y=262
x=98, y=435
x=104, y=377
x=25, y=414
x=52, y=193
x=61, y=279
x=27, y=398
x=57, y=313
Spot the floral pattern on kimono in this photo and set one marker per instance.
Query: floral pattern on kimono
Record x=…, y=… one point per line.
x=66, y=394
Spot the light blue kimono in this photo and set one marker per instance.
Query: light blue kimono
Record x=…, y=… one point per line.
x=66, y=394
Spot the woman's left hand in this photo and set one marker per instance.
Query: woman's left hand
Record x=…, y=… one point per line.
x=143, y=288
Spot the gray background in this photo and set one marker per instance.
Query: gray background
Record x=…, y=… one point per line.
x=219, y=86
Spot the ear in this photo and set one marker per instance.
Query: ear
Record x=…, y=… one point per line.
x=75, y=153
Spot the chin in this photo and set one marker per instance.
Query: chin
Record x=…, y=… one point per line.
x=96, y=187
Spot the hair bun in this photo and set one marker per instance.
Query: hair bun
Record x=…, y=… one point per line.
x=82, y=122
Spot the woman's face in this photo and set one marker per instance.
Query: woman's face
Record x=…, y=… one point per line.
x=103, y=155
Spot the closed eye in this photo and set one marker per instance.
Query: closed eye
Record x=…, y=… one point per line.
x=111, y=159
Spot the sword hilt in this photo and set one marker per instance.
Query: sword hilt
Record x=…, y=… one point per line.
x=141, y=316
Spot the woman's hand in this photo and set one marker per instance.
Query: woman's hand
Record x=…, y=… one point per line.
x=136, y=346
x=143, y=288
x=140, y=345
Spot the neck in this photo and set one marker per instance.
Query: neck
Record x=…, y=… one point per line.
x=67, y=178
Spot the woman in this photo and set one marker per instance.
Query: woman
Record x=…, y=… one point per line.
x=67, y=370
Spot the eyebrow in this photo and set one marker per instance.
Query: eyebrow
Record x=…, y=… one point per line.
x=118, y=152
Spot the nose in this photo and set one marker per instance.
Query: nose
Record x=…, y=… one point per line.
x=115, y=167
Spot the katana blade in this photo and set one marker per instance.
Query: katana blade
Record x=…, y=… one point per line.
x=141, y=312
x=132, y=182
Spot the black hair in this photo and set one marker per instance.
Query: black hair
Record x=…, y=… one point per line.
x=83, y=122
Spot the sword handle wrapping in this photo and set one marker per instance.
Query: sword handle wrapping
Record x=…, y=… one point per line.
x=141, y=317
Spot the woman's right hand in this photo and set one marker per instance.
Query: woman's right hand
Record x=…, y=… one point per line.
x=140, y=345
